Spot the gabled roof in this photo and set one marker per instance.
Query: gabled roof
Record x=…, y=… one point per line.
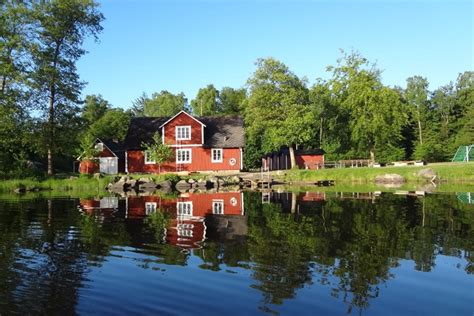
x=115, y=147
x=179, y=114
x=225, y=131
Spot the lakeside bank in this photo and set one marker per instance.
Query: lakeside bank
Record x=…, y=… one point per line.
x=452, y=173
x=448, y=175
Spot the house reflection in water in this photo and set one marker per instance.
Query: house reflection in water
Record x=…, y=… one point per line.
x=104, y=207
x=193, y=217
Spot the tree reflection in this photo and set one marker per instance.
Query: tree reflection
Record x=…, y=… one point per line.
x=351, y=245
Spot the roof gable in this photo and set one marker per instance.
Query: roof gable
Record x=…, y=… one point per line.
x=115, y=147
x=225, y=131
x=179, y=113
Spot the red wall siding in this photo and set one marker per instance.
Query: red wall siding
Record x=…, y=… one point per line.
x=93, y=166
x=200, y=161
x=183, y=119
x=106, y=153
x=311, y=160
x=88, y=166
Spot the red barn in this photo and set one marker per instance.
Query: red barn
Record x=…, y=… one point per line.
x=110, y=158
x=305, y=159
x=212, y=143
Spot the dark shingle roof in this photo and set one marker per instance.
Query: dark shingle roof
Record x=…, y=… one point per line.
x=220, y=131
x=223, y=131
x=115, y=146
x=142, y=129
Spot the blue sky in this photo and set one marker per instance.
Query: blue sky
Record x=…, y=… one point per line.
x=183, y=45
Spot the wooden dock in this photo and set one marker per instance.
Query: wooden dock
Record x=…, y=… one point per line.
x=260, y=180
x=325, y=183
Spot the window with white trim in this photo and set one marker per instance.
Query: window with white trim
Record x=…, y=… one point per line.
x=183, y=132
x=150, y=208
x=216, y=155
x=183, y=155
x=185, y=208
x=148, y=160
x=218, y=207
x=185, y=230
x=99, y=146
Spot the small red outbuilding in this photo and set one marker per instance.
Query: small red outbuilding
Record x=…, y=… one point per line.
x=305, y=159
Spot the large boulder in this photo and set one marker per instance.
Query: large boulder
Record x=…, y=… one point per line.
x=124, y=179
x=132, y=183
x=20, y=189
x=427, y=173
x=235, y=179
x=213, y=180
x=203, y=184
x=147, y=186
x=183, y=185
x=145, y=180
x=165, y=184
x=117, y=187
x=390, y=178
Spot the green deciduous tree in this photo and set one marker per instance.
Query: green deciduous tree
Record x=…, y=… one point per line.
x=158, y=152
x=277, y=106
x=162, y=104
x=376, y=113
x=416, y=95
x=94, y=108
x=113, y=124
x=62, y=26
x=231, y=100
x=206, y=101
x=331, y=121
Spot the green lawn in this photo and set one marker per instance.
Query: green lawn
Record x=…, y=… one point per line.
x=462, y=172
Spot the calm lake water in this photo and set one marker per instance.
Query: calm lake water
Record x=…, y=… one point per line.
x=238, y=254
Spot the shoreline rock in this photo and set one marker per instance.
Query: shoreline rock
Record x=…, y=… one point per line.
x=392, y=178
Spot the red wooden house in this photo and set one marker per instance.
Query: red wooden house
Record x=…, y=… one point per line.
x=213, y=143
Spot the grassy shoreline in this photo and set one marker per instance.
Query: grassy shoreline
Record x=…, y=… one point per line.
x=452, y=177
x=452, y=173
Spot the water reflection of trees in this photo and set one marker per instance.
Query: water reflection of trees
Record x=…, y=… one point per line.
x=41, y=263
x=351, y=245
x=348, y=246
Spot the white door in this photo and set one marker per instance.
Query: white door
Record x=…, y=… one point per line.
x=108, y=165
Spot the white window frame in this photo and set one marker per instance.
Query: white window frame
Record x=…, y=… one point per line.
x=99, y=147
x=218, y=207
x=221, y=158
x=189, y=150
x=179, y=136
x=184, y=208
x=150, y=208
x=147, y=161
x=185, y=230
